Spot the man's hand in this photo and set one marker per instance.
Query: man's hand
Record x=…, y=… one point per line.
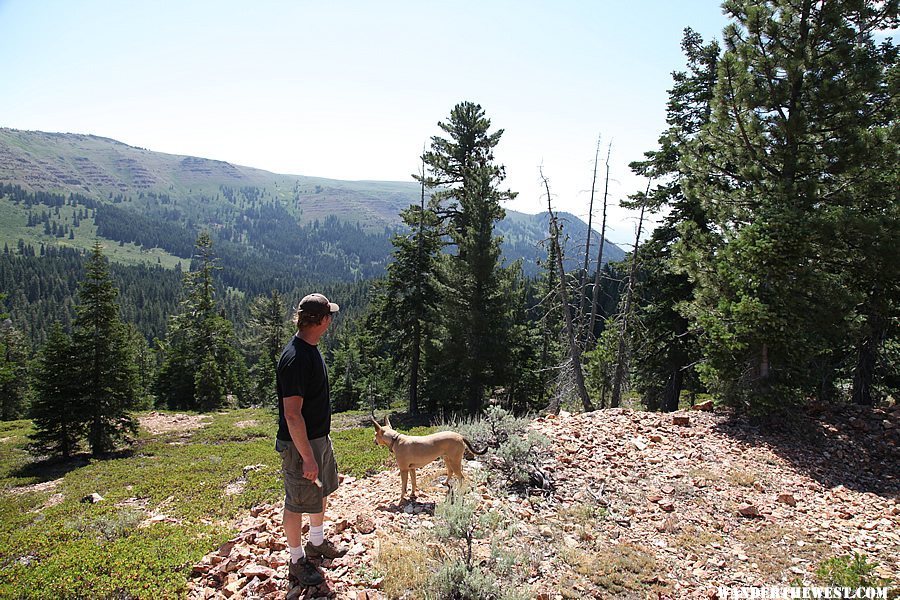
x=310, y=468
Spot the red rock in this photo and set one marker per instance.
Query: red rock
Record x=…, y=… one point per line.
x=706, y=406
x=667, y=505
x=340, y=526
x=748, y=510
x=364, y=524
x=267, y=587
x=232, y=588
x=258, y=571
x=656, y=438
x=787, y=499
x=231, y=566
x=225, y=549
x=682, y=420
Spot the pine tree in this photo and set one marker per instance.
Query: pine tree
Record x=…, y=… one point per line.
x=106, y=386
x=202, y=366
x=663, y=346
x=410, y=296
x=461, y=167
x=267, y=330
x=145, y=364
x=58, y=422
x=14, y=376
x=345, y=374
x=796, y=149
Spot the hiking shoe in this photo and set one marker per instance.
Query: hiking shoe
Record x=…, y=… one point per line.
x=304, y=573
x=327, y=550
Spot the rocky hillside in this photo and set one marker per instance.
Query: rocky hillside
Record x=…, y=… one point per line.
x=637, y=505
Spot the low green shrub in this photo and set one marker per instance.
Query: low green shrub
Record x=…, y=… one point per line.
x=849, y=571
x=517, y=448
x=456, y=581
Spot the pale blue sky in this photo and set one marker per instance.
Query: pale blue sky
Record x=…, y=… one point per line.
x=353, y=89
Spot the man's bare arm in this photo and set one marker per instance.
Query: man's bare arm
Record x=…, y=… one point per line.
x=297, y=428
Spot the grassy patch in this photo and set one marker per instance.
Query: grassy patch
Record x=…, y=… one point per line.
x=405, y=563
x=13, y=227
x=148, y=563
x=13, y=455
x=741, y=477
x=704, y=476
x=583, y=518
x=697, y=540
x=445, y=562
x=238, y=426
x=66, y=548
x=850, y=571
x=772, y=547
x=622, y=570
x=75, y=549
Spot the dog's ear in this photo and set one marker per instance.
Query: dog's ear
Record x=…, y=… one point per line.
x=377, y=425
x=387, y=421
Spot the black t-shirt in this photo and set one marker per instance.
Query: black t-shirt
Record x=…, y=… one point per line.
x=302, y=372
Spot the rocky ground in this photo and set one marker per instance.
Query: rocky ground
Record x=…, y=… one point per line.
x=640, y=505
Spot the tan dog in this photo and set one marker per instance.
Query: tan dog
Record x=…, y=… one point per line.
x=415, y=451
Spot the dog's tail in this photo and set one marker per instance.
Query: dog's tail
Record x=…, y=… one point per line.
x=472, y=448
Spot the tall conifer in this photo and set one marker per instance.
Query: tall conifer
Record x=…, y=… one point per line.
x=105, y=387
x=58, y=420
x=664, y=347
x=477, y=307
x=800, y=145
x=202, y=366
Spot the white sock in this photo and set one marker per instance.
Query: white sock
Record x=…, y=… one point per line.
x=317, y=535
x=297, y=553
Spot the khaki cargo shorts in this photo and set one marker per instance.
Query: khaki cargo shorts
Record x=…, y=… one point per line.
x=300, y=494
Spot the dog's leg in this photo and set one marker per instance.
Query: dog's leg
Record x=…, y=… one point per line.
x=454, y=465
x=454, y=470
x=412, y=473
x=403, y=473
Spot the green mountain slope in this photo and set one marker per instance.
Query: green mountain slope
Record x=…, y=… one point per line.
x=67, y=190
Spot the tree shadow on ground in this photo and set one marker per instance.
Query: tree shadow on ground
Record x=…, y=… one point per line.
x=43, y=470
x=46, y=469
x=853, y=446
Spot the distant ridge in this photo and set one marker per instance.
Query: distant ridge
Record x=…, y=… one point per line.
x=194, y=192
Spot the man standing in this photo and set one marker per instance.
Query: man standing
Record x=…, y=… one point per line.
x=304, y=422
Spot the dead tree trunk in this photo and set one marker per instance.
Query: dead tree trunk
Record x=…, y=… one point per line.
x=597, y=276
x=587, y=245
x=621, y=359
x=574, y=351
